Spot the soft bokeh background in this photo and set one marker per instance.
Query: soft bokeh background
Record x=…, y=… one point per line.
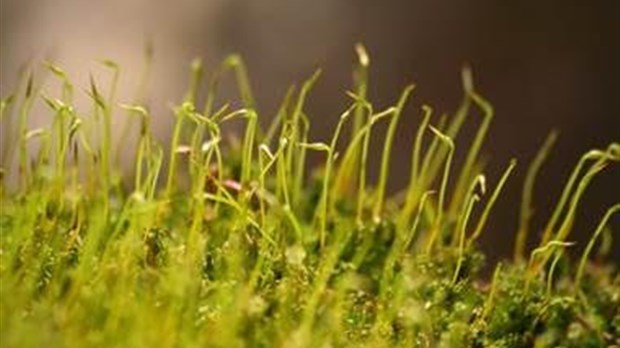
x=543, y=65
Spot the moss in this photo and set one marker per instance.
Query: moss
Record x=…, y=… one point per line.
x=253, y=251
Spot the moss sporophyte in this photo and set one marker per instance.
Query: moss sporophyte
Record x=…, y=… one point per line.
x=212, y=242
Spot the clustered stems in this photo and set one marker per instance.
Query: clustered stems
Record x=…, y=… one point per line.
x=223, y=241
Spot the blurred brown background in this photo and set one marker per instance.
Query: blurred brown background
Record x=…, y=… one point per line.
x=543, y=65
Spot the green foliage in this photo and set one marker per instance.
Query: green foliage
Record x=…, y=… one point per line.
x=230, y=243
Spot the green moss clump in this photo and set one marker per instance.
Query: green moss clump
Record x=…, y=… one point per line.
x=225, y=243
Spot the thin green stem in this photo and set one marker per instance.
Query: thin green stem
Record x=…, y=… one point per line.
x=487, y=209
x=301, y=162
x=472, y=155
x=466, y=214
x=526, y=210
x=180, y=115
x=559, y=208
x=437, y=225
x=415, y=163
x=293, y=128
x=478, y=182
x=545, y=251
x=322, y=210
x=278, y=120
x=23, y=129
x=235, y=62
x=349, y=168
x=416, y=221
x=488, y=304
x=387, y=150
x=106, y=139
x=586, y=253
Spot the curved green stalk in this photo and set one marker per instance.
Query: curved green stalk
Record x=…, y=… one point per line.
x=349, y=168
x=322, y=210
x=466, y=214
x=106, y=138
x=431, y=158
x=139, y=98
x=488, y=304
x=526, y=211
x=415, y=175
x=196, y=75
x=478, y=182
x=264, y=168
x=586, y=253
x=416, y=221
x=235, y=62
x=361, y=85
x=248, y=148
x=554, y=263
x=143, y=155
x=434, y=157
x=442, y=191
x=546, y=252
x=487, y=209
x=23, y=129
x=278, y=120
x=180, y=115
x=294, y=120
x=364, y=135
x=387, y=149
x=472, y=155
x=282, y=187
x=594, y=154
x=6, y=119
x=566, y=226
x=301, y=162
